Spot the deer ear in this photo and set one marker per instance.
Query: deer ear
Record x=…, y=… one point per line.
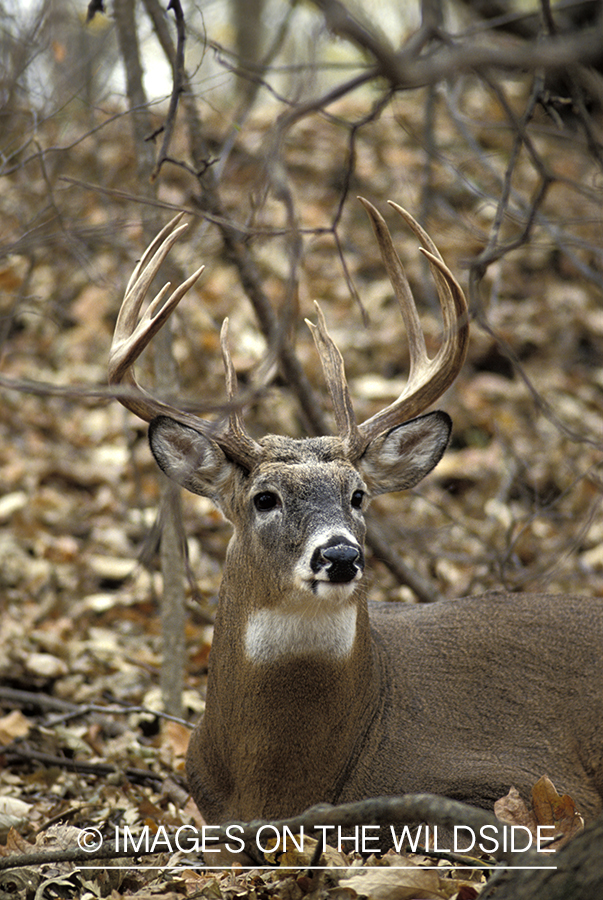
x=190, y=458
x=400, y=458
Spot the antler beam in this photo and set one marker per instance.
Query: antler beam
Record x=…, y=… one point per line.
x=428, y=378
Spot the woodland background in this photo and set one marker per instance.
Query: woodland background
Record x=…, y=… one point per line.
x=484, y=120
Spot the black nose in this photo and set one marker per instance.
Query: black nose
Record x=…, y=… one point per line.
x=342, y=561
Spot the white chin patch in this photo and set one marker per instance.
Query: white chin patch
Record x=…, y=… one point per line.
x=331, y=591
x=273, y=634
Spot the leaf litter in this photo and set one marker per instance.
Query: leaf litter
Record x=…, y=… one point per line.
x=515, y=499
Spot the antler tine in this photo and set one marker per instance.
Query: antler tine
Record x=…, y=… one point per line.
x=236, y=437
x=132, y=335
x=150, y=250
x=334, y=372
x=428, y=378
x=455, y=313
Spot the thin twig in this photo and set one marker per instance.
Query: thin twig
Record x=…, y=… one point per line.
x=177, y=85
x=24, y=752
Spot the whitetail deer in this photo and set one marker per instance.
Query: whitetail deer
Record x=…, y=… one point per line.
x=309, y=699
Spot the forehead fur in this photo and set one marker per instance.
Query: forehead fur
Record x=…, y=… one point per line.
x=277, y=449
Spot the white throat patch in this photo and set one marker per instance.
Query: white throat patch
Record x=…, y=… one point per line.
x=272, y=634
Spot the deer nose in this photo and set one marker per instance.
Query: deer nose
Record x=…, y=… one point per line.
x=341, y=561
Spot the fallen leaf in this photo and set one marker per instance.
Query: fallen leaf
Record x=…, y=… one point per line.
x=14, y=813
x=14, y=725
x=548, y=809
x=45, y=665
x=552, y=809
x=513, y=810
x=393, y=884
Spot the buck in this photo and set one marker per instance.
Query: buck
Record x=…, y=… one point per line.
x=314, y=694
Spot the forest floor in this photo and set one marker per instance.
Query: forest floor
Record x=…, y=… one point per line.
x=515, y=501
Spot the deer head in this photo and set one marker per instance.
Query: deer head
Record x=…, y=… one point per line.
x=391, y=451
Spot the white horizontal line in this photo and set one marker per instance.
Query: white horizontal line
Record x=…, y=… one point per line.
x=357, y=869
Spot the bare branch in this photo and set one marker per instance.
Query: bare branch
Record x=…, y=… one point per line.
x=404, y=69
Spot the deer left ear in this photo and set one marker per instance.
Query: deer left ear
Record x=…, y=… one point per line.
x=400, y=458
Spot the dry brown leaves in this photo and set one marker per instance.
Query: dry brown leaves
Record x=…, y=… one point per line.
x=556, y=816
x=515, y=500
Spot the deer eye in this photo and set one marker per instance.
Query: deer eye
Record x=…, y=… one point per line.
x=266, y=500
x=357, y=498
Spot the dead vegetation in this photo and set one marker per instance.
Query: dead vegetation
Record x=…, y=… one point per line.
x=512, y=196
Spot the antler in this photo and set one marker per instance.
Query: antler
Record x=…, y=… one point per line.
x=133, y=332
x=428, y=378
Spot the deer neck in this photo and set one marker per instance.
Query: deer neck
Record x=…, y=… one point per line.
x=307, y=677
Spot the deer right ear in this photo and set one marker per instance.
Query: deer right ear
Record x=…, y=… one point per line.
x=190, y=458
